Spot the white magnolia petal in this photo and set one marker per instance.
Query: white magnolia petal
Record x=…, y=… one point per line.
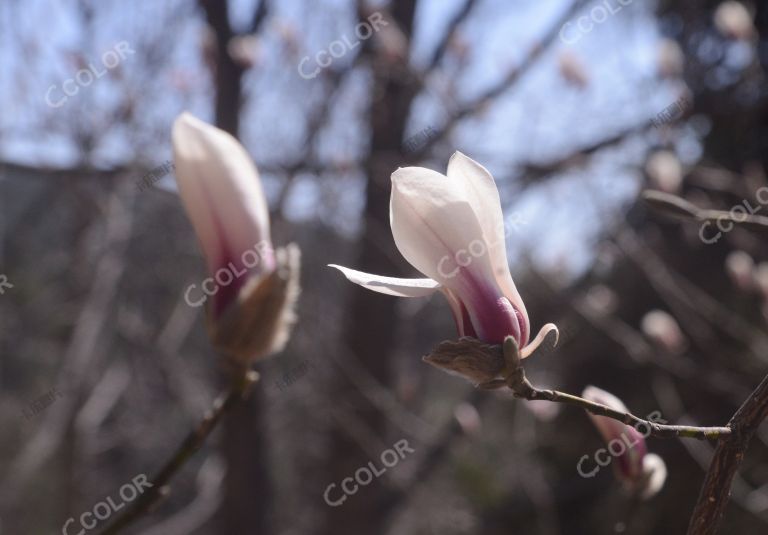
x=655, y=470
x=482, y=194
x=390, y=285
x=220, y=188
x=432, y=221
x=544, y=332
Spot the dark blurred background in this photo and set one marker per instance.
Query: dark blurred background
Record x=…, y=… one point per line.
x=574, y=106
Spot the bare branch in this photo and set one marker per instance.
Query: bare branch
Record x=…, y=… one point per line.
x=716, y=490
x=514, y=379
x=506, y=83
x=456, y=21
x=194, y=441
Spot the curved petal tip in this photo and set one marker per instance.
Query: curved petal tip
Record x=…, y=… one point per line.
x=548, y=332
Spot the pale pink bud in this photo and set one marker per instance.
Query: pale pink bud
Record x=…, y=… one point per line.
x=253, y=289
x=245, y=50
x=664, y=171
x=670, y=60
x=572, y=69
x=733, y=20
x=602, y=299
x=664, y=330
x=639, y=472
x=740, y=266
x=222, y=194
x=468, y=418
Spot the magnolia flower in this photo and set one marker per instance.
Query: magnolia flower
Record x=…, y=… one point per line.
x=451, y=229
x=639, y=471
x=252, y=287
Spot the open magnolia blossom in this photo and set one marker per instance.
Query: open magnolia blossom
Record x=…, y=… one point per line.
x=451, y=228
x=252, y=286
x=639, y=471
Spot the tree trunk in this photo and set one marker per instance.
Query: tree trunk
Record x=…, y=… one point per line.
x=370, y=331
x=248, y=496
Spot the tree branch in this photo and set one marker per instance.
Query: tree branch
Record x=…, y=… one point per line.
x=194, y=441
x=716, y=490
x=482, y=363
x=522, y=388
x=456, y=21
x=537, y=50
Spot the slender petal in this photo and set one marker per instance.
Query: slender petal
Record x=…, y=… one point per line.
x=481, y=193
x=528, y=350
x=390, y=285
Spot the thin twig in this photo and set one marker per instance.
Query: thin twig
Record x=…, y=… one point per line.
x=522, y=388
x=677, y=207
x=482, y=363
x=194, y=441
x=460, y=16
x=657, y=430
x=510, y=79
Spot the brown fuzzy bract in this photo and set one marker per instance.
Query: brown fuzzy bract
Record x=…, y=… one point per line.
x=470, y=358
x=260, y=322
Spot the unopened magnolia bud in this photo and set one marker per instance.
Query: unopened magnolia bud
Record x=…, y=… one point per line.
x=468, y=418
x=244, y=50
x=665, y=171
x=663, y=329
x=740, y=266
x=640, y=473
x=734, y=21
x=572, y=69
x=259, y=322
x=671, y=59
x=602, y=299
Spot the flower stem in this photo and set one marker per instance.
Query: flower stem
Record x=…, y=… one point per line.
x=522, y=388
x=192, y=443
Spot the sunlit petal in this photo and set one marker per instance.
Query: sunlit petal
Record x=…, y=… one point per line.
x=220, y=188
x=390, y=285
